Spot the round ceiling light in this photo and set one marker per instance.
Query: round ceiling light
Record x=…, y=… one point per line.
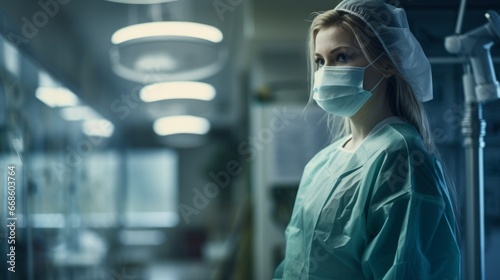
x=181, y=125
x=167, y=29
x=177, y=90
x=167, y=51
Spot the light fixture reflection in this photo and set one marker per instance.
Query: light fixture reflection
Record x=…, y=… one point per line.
x=56, y=96
x=79, y=113
x=177, y=90
x=181, y=124
x=167, y=28
x=98, y=127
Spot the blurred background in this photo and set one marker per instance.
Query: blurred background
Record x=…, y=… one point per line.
x=163, y=139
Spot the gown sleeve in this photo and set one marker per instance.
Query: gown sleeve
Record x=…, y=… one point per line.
x=410, y=222
x=278, y=272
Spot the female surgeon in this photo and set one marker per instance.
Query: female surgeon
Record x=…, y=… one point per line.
x=375, y=204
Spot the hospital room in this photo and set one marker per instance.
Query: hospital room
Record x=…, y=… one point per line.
x=249, y=140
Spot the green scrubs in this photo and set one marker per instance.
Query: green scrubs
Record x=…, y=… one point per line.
x=380, y=212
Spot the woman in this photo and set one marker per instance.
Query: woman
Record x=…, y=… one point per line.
x=374, y=204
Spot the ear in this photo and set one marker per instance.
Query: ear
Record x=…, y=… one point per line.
x=388, y=70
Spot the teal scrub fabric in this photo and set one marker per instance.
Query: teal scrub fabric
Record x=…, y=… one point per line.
x=380, y=212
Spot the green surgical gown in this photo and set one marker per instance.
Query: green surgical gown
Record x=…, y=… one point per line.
x=380, y=212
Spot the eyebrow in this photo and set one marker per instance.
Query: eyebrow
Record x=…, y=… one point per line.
x=337, y=49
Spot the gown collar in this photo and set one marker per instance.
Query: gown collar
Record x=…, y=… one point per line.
x=354, y=160
x=377, y=127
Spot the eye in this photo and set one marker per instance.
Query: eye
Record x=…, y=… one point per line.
x=342, y=57
x=319, y=62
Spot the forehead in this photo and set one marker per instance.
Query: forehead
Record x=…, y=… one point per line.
x=331, y=37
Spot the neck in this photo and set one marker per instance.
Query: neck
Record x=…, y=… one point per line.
x=364, y=121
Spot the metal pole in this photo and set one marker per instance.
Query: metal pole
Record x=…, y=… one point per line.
x=473, y=130
x=461, y=11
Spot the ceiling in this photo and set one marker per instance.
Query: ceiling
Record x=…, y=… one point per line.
x=74, y=44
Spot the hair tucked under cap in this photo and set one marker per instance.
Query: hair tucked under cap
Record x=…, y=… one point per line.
x=389, y=24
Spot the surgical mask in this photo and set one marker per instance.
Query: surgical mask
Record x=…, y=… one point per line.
x=339, y=89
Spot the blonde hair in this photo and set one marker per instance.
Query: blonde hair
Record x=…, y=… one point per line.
x=400, y=97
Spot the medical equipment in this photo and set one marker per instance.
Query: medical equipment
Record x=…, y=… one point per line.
x=480, y=85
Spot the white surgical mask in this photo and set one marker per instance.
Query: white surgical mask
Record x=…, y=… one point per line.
x=339, y=89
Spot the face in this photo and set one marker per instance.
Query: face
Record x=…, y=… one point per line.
x=339, y=47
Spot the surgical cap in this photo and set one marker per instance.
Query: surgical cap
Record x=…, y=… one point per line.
x=389, y=24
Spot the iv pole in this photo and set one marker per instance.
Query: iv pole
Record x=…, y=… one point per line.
x=480, y=85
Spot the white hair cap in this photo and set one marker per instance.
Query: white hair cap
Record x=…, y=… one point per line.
x=389, y=24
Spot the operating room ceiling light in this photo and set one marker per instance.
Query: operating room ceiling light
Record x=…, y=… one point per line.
x=167, y=29
x=156, y=62
x=183, y=124
x=11, y=58
x=98, y=127
x=79, y=113
x=177, y=90
x=54, y=96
